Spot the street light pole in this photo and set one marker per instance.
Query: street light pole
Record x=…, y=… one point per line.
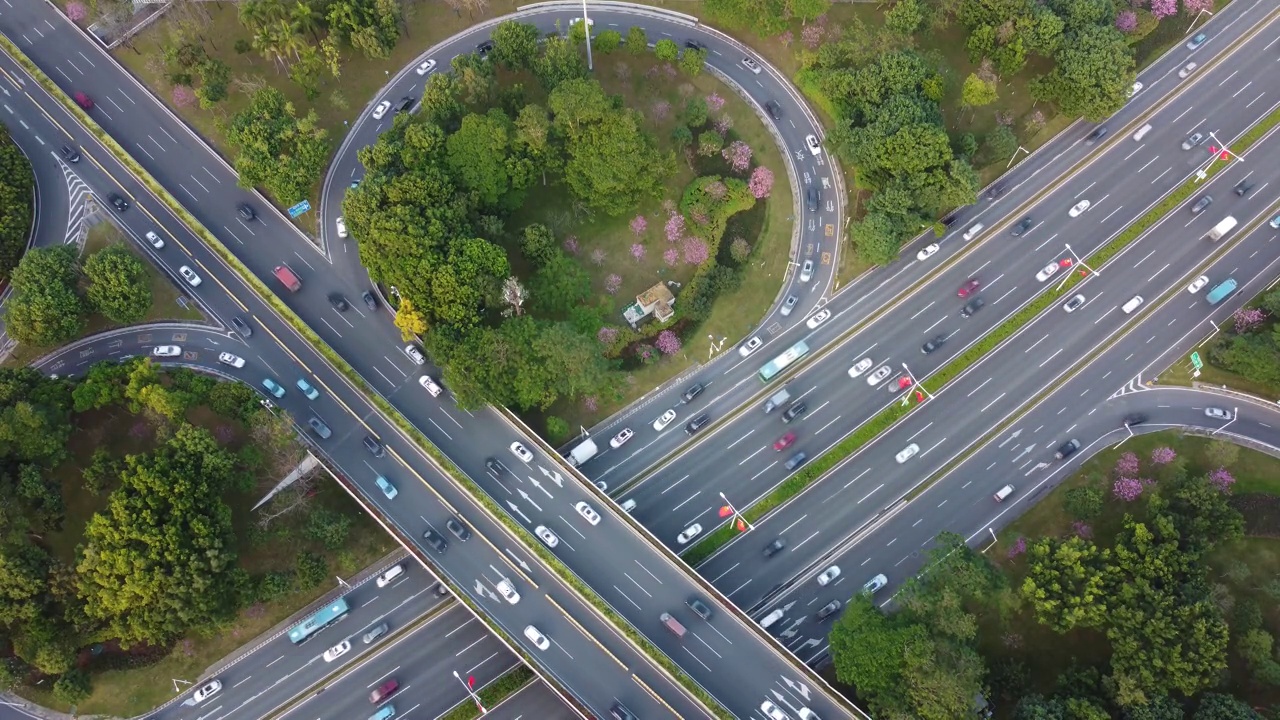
x=916, y=383
x=586, y=31
x=737, y=514
x=1081, y=262
x=1235, y=413
x=470, y=692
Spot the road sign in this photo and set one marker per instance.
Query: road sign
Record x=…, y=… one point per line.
x=1195, y=360
x=300, y=208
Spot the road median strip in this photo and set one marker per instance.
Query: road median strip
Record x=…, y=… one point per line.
x=442, y=463
x=885, y=419
x=501, y=688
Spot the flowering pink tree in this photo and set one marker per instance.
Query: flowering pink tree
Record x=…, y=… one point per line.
x=637, y=251
x=1082, y=529
x=700, y=216
x=571, y=245
x=671, y=256
x=1163, y=455
x=612, y=283
x=714, y=102
x=717, y=190
x=1195, y=6
x=598, y=256
x=695, y=251
x=1126, y=21
x=183, y=96
x=761, y=182
x=638, y=225
x=1222, y=479
x=667, y=343
x=738, y=155
x=787, y=38
x=811, y=35
x=76, y=11
x=661, y=109
x=723, y=124
x=1019, y=547
x=590, y=403
x=674, y=227
x=607, y=335
x=1128, y=489
x=1247, y=319
x=1127, y=465
x=1164, y=8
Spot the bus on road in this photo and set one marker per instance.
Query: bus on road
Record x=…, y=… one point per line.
x=1221, y=291
x=327, y=616
x=780, y=363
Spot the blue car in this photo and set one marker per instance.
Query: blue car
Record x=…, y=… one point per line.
x=271, y=386
x=307, y=390
x=387, y=488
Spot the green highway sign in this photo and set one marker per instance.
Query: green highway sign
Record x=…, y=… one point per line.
x=1195, y=360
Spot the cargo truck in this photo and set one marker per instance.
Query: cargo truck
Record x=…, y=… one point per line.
x=583, y=452
x=1222, y=228
x=287, y=277
x=778, y=400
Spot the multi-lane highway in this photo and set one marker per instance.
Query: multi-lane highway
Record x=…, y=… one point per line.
x=584, y=653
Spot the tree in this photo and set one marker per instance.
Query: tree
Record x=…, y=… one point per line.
x=1216, y=706
x=215, y=76
x=157, y=560
x=666, y=50
x=538, y=245
x=636, y=40
x=559, y=62
x=867, y=651
x=440, y=103
x=370, y=26
x=119, y=287
x=408, y=320
x=533, y=140
x=1093, y=69
x=477, y=156
x=809, y=10
x=16, y=189
x=1083, y=503
x=1065, y=583
x=275, y=148
x=691, y=62
x=607, y=41
x=559, y=285
x=905, y=17
x=977, y=92
x=45, y=308
x=515, y=44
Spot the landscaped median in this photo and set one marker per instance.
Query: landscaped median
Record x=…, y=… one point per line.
x=882, y=421
x=492, y=694
x=442, y=462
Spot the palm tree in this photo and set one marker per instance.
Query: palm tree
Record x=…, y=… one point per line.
x=305, y=18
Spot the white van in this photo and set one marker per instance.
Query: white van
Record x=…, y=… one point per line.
x=771, y=618
x=972, y=232
x=392, y=573
x=1132, y=305
x=1142, y=132
x=1003, y=493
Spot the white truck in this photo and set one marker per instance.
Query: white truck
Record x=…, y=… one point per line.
x=583, y=452
x=1222, y=228
x=776, y=401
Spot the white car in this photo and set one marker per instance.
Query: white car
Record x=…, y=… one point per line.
x=751, y=65
x=875, y=584
x=818, y=319
x=166, y=351
x=807, y=714
x=234, y=361
x=337, y=651
x=1079, y=208
x=815, y=147
x=1217, y=413
x=415, y=354
x=1137, y=88
x=860, y=367
x=1197, y=284
x=1047, y=271
x=539, y=640
x=1073, y=304
x=927, y=251
x=426, y=67
x=507, y=591
x=155, y=240
x=828, y=575
x=689, y=533
x=519, y=450
x=381, y=110
x=621, y=438
x=1187, y=70
x=430, y=385
x=587, y=512
x=661, y=423
x=906, y=453
x=342, y=227
x=806, y=271
x=206, y=691
x=189, y=275
x=750, y=346
x=773, y=712
x=386, y=487
x=575, y=21
x=881, y=373
x=546, y=536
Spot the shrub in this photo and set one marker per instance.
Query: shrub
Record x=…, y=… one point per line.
x=327, y=527
x=1083, y=503
x=73, y=687
x=668, y=343
x=311, y=570
x=557, y=428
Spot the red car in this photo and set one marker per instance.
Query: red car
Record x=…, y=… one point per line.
x=384, y=691
x=83, y=101
x=969, y=287
x=785, y=441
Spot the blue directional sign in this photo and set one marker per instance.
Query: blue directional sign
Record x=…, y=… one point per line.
x=300, y=208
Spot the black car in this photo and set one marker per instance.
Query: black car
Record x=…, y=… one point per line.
x=972, y=307
x=369, y=300
x=697, y=423
x=373, y=446
x=246, y=211
x=459, y=530
x=1097, y=134
x=70, y=154
x=118, y=202
x=1201, y=204
x=933, y=344
x=797, y=409
x=1135, y=419
x=242, y=327
x=484, y=48
x=774, y=109
x=949, y=219
x=404, y=104
x=775, y=546
x=1023, y=225
x=338, y=302
x=435, y=540
x=495, y=466
x=996, y=191
x=1243, y=187
x=694, y=45
x=828, y=610
x=811, y=198
x=695, y=604
x=693, y=392
x=1067, y=448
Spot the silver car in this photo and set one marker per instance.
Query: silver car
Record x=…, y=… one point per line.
x=789, y=304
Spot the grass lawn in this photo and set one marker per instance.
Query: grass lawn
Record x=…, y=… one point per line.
x=167, y=303
x=129, y=684
x=1018, y=636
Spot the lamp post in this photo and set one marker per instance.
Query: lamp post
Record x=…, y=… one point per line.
x=1235, y=413
x=467, y=684
x=1077, y=261
x=586, y=31
x=916, y=383
x=734, y=511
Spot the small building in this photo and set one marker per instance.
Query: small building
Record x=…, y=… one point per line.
x=656, y=301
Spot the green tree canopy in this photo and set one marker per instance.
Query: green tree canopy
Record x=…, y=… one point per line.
x=119, y=286
x=275, y=148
